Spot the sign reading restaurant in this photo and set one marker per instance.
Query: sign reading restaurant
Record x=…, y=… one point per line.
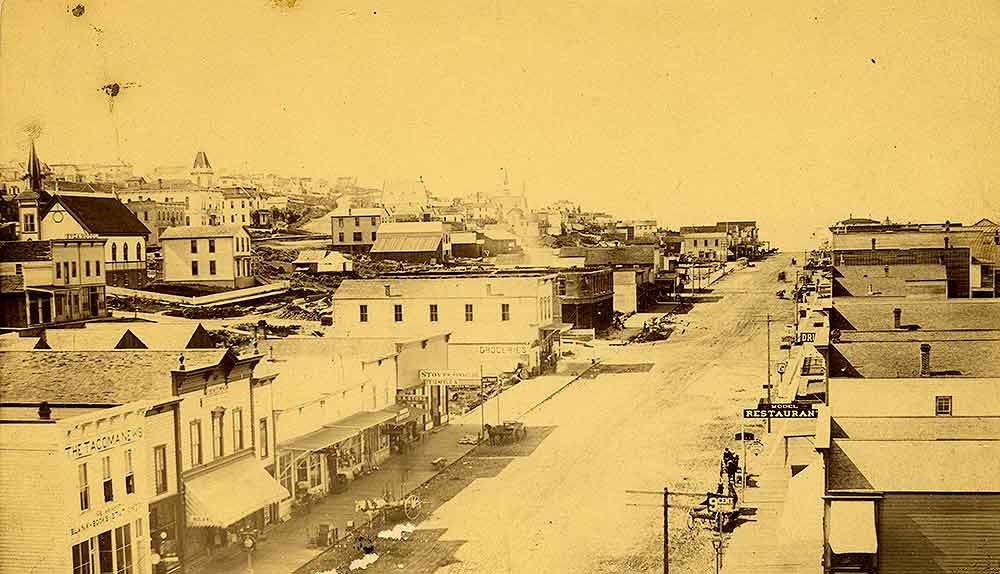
x=104, y=442
x=781, y=411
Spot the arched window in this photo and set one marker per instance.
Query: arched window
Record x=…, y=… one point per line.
x=138, y=251
x=124, y=251
x=114, y=252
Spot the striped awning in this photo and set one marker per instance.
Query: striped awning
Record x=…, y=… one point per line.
x=223, y=496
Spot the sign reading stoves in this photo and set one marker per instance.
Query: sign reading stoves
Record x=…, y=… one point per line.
x=781, y=411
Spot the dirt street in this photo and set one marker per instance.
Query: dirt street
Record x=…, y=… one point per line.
x=654, y=414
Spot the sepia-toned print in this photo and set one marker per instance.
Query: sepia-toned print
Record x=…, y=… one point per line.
x=303, y=287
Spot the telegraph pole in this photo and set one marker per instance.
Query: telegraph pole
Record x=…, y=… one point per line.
x=666, y=540
x=768, y=374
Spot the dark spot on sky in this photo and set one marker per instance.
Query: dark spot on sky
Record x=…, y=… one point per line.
x=112, y=89
x=78, y=10
x=873, y=60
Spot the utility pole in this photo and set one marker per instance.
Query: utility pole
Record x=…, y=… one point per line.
x=768, y=374
x=482, y=404
x=666, y=539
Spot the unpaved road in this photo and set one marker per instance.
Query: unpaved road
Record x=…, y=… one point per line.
x=563, y=506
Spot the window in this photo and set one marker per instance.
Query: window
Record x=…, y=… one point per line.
x=194, y=246
x=468, y=311
x=29, y=221
x=73, y=267
x=160, y=468
x=218, y=444
x=263, y=439
x=138, y=251
x=942, y=406
x=86, y=268
x=946, y=243
x=562, y=287
x=357, y=222
x=505, y=311
x=97, y=267
x=363, y=312
x=123, y=549
x=194, y=268
x=84, y=488
x=211, y=245
x=374, y=221
x=716, y=242
x=66, y=269
x=358, y=236
x=434, y=313
x=373, y=236
x=109, y=487
x=81, y=558
x=187, y=220
x=129, y=473
x=873, y=243
x=237, y=429
x=284, y=470
x=340, y=237
x=59, y=305
x=398, y=313
x=18, y=270
x=211, y=267
x=243, y=218
x=195, y=429
x=340, y=222
x=124, y=251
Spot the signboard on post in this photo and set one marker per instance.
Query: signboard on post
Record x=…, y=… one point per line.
x=490, y=380
x=807, y=337
x=781, y=411
x=721, y=503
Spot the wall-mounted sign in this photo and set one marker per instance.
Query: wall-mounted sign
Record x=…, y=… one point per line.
x=103, y=517
x=412, y=400
x=82, y=236
x=104, y=442
x=449, y=377
x=807, y=337
x=516, y=349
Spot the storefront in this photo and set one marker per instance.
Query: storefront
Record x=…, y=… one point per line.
x=407, y=428
x=216, y=516
x=164, y=530
x=107, y=541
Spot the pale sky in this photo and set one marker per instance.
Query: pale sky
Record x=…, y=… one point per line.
x=795, y=113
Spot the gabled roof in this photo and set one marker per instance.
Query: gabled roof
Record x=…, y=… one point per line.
x=199, y=231
x=201, y=161
x=901, y=359
x=406, y=243
x=118, y=377
x=916, y=428
x=23, y=251
x=310, y=256
x=915, y=465
x=872, y=314
x=412, y=227
x=625, y=255
x=359, y=212
x=131, y=335
x=101, y=215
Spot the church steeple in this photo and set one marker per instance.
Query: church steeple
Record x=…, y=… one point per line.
x=33, y=200
x=202, y=170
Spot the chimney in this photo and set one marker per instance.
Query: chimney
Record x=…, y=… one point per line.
x=181, y=368
x=388, y=290
x=897, y=314
x=925, y=360
x=886, y=270
x=44, y=412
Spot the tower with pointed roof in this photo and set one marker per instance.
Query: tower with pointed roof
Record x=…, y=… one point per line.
x=202, y=171
x=32, y=200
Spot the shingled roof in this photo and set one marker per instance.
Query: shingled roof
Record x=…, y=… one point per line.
x=22, y=251
x=100, y=214
x=104, y=377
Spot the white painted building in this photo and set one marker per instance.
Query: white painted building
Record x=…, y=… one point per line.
x=207, y=255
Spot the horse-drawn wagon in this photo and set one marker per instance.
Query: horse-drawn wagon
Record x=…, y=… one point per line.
x=509, y=431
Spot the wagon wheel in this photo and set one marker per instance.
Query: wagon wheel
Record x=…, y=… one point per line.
x=411, y=507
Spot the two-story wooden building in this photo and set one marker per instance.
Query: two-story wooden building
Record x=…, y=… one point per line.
x=214, y=255
x=355, y=229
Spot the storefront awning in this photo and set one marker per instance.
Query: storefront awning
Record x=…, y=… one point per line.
x=323, y=438
x=852, y=527
x=405, y=414
x=364, y=420
x=223, y=496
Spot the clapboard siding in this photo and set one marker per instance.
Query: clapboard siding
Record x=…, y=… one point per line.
x=938, y=533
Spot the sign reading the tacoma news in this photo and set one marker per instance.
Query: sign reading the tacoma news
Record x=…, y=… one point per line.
x=104, y=442
x=781, y=411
